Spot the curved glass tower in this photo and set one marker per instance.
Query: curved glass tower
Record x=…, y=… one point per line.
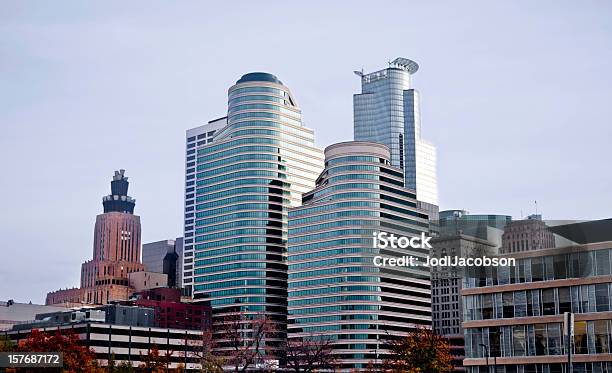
x=256, y=167
x=335, y=289
x=387, y=111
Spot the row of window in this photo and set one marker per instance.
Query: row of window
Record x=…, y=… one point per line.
x=330, y=262
x=241, y=215
x=538, y=302
x=258, y=89
x=242, y=206
x=237, y=159
x=242, y=198
x=241, y=223
x=240, y=241
x=238, y=249
x=263, y=114
x=590, y=337
x=240, y=166
x=243, y=174
x=553, y=267
x=598, y=367
x=245, y=181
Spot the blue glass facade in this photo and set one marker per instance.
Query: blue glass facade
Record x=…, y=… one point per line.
x=387, y=112
x=335, y=290
x=247, y=178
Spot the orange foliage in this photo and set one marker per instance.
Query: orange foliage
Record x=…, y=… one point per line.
x=421, y=351
x=77, y=358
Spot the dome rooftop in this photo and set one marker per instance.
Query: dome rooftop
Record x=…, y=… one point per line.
x=259, y=77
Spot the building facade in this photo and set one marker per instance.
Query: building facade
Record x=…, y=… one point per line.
x=335, y=289
x=196, y=139
x=387, y=111
x=12, y=313
x=526, y=235
x=130, y=344
x=488, y=227
x=446, y=285
x=116, y=251
x=166, y=257
x=170, y=312
x=516, y=313
x=244, y=181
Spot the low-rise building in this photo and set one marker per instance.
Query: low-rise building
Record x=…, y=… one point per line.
x=146, y=280
x=12, y=312
x=515, y=314
x=170, y=312
x=131, y=343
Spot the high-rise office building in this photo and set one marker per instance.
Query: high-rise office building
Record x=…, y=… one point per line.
x=387, y=111
x=116, y=251
x=239, y=189
x=336, y=290
x=197, y=138
x=446, y=285
x=165, y=256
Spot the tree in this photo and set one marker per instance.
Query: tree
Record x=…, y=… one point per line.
x=6, y=345
x=124, y=367
x=242, y=340
x=307, y=355
x=154, y=362
x=421, y=351
x=203, y=351
x=77, y=358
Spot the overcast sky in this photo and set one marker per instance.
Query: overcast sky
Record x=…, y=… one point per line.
x=516, y=97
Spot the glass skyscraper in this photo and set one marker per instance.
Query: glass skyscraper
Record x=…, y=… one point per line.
x=387, y=111
x=247, y=176
x=335, y=289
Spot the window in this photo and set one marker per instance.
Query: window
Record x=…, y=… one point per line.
x=559, y=265
x=602, y=298
x=602, y=336
x=518, y=334
x=520, y=304
x=541, y=339
x=537, y=269
x=554, y=339
x=508, y=305
x=580, y=337
x=602, y=262
x=487, y=306
x=565, y=303
x=548, y=301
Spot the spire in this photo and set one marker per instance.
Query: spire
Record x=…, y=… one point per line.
x=118, y=200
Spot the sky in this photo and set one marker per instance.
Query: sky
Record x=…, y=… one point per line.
x=516, y=95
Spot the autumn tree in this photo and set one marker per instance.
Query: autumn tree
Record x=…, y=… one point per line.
x=421, y=351
x=308, y=355
x=77, y=358
x=154, y=361
x=6, y=345
x=202, y=350
x=242, y=341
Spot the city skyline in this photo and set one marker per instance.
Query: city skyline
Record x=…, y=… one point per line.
x=77, y=126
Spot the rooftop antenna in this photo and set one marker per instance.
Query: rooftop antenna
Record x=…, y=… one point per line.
x=359, y=72
x=536, y=206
